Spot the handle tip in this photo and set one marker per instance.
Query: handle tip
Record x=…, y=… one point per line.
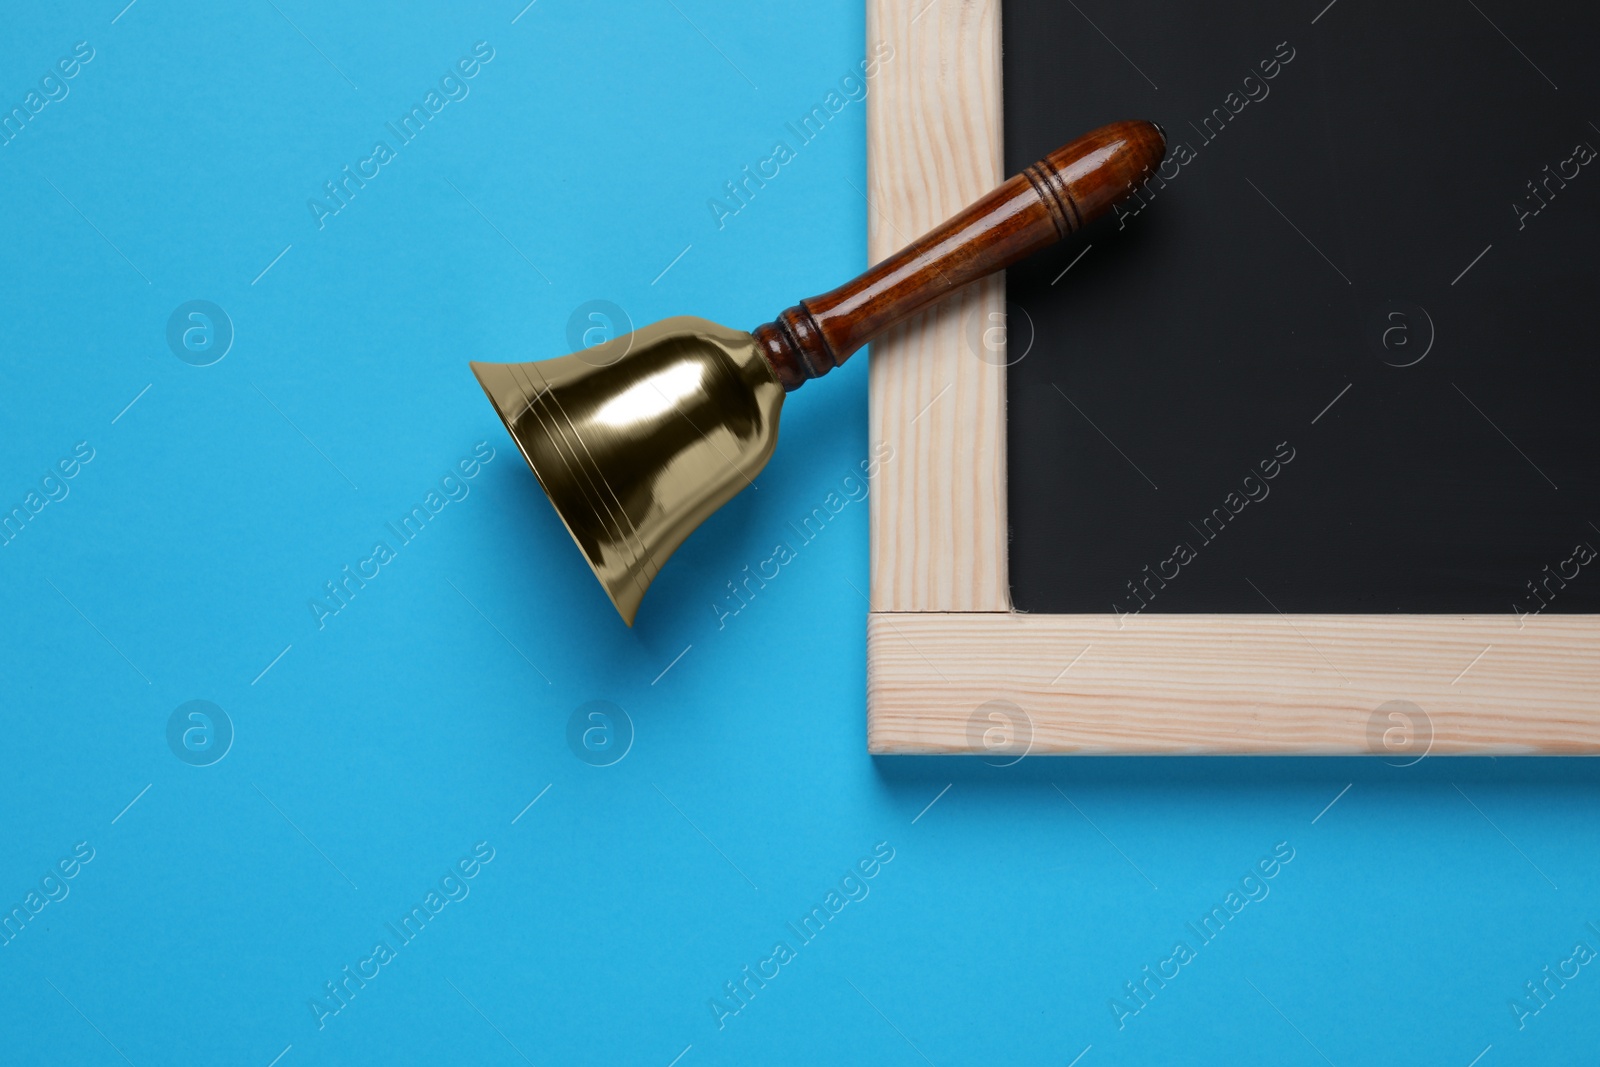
x=1102, y=167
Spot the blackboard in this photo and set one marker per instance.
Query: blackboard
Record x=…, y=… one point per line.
x=1340, y=355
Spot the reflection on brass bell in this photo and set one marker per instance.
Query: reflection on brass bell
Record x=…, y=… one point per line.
x=637, y=440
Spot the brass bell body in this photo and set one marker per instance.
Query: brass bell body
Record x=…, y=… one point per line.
x=638, y=440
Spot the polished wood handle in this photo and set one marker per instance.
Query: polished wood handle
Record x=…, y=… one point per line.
x=1062, y=193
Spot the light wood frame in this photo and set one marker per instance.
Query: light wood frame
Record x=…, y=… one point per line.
x=943, y=642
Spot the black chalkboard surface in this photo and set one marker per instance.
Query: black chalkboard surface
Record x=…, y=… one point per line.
x=1341, y=356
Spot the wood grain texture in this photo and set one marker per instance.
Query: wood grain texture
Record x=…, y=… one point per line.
x=938, y=539
x=1217, y=684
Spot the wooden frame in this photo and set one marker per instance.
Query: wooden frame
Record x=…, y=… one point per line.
x=951, y=668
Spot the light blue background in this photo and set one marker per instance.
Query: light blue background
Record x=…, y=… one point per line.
x=431, y=710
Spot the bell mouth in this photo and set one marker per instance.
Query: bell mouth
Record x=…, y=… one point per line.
x=521, y=397
x=637, y=441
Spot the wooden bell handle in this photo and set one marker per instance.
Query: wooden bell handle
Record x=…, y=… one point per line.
x=1062, y=193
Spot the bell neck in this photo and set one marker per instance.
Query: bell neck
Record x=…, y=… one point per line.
x=795, y=348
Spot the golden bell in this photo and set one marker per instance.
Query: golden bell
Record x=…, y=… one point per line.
x=637, y=440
